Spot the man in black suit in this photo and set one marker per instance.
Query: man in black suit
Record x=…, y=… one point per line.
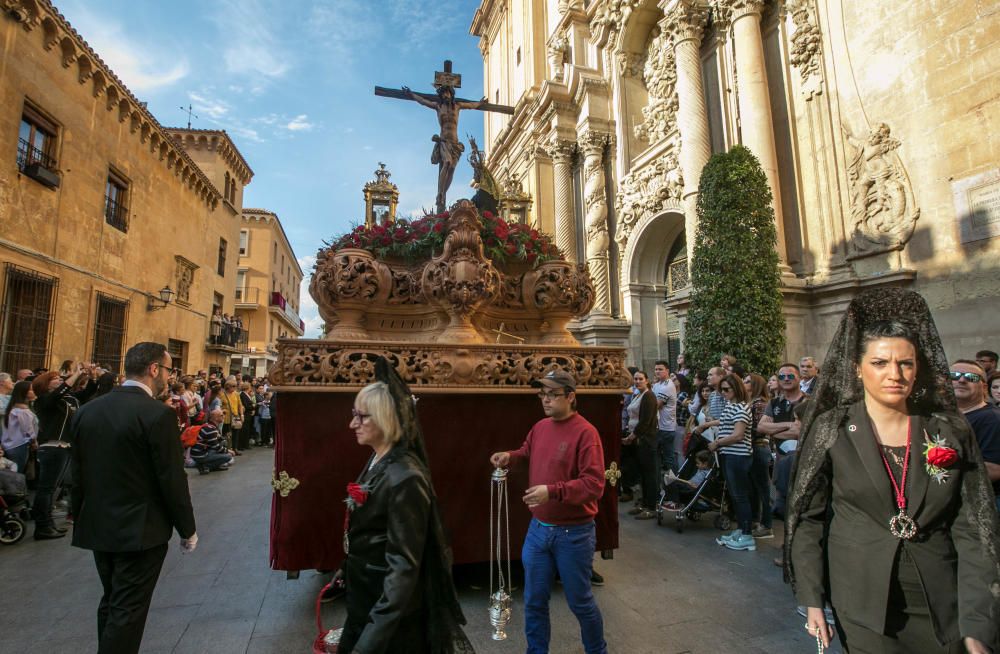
x=131, y=493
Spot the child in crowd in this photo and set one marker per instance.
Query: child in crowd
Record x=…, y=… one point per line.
x=678, y=488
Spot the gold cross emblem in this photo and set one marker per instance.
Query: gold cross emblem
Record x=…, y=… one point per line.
x=283, y=484
x=613, y=474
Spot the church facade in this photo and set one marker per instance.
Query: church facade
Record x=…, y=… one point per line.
x=876, y=124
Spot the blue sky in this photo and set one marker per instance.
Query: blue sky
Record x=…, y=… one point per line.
x=291, y=82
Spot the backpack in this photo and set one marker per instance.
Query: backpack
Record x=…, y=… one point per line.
x=190, y=435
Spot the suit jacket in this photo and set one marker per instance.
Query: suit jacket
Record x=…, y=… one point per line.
x=848, y=558
x=130, y=489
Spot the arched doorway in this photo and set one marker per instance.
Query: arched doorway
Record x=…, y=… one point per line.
x=655, y=252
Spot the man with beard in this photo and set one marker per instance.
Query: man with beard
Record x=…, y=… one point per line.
x=131, y=493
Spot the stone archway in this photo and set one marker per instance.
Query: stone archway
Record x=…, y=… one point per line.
x=644, y=284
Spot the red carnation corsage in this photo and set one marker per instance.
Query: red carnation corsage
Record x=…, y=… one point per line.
x=357, y=495
x=939, y=457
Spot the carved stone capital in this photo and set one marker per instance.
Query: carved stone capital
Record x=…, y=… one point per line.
x=560, y=150
x=744, y=8
x=686, y=21
x=593, y=142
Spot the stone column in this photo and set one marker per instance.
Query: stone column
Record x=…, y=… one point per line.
x=685, y=22
x=596, y=220
x=754, y=101
x=561, y=152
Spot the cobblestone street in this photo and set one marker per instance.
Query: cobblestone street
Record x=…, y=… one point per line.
x=665, y=592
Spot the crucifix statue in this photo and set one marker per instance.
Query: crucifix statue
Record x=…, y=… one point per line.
x=447, y=148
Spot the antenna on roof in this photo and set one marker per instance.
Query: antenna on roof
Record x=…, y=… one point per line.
x=190, y=115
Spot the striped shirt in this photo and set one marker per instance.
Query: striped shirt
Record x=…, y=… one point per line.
x=733, y=413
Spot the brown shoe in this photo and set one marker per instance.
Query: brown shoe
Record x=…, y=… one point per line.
x=635, y=510
x=645, y=515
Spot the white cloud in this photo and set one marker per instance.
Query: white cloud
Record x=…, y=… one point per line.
x=208, y=107
x=144, y=67
x=252, y=47
x=299, y=124
x=308, y=310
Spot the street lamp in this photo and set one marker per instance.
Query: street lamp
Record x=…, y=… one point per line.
x=166, y=295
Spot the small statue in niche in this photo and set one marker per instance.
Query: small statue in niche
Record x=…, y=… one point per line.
x=883, y=211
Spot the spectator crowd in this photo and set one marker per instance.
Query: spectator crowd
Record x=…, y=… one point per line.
x=218, y=418
x=748, y=427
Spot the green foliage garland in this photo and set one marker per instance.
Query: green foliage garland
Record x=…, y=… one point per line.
x=736, y=305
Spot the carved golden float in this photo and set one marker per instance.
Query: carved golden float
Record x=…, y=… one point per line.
x=468, y=335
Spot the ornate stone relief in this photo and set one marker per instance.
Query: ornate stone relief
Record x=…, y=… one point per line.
x=305, y=365
x=647, y=191
x=596, y=220
x=883, y=211
x=610, y=18
x=557, y=50
x=184, y=278
x=630, y=64
x=806, y=46
x=660, y=75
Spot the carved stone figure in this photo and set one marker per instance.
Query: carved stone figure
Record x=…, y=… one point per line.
x=806, y=46
x=882, y=205
x=631, y=64
x=596, y=221
x=660, y=75
x=184, y=278
x=557, y=50
x=646, y=192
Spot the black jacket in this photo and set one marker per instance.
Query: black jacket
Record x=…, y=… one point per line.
x=131, y=491
x=848, y=558
x=387, y=539
x=55, y=411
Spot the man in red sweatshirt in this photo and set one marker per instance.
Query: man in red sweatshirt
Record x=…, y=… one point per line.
x=565, y=478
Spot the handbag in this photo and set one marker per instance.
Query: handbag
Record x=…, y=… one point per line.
x=326, y=641
x=237, y=423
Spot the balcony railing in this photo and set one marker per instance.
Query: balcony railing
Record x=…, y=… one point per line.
x=228, y=337
x=28, y=154
x=116, y=213
x=248, y=295
x=278, y=301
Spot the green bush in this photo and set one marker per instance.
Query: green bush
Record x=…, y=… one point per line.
x=736, y=305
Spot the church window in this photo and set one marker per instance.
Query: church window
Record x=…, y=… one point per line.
x=116, y=201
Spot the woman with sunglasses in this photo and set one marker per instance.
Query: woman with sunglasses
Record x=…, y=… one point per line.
x=732, y=443
x=891, y=517
x=400, y=595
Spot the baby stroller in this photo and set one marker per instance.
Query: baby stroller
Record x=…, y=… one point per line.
x=709, y=496
x=13, y=501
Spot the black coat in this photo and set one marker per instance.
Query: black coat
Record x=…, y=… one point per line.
x=387, y=536
x=848, y=558
x=131, y=491
x=55, y=411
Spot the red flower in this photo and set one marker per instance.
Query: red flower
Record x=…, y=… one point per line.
x=438, y=227
x=357, y=494
x=941, y=457
x=510, y=248
x=386, y=240
x=488, y=215
x=531, y=257
x=399, y=234
x=533, y=233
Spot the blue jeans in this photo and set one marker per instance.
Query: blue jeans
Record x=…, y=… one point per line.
x=665, y=448
x=19, y=455
x=570, y=551
x=736, y=468
x=760, y=478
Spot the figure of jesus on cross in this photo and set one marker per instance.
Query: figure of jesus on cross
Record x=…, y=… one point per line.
x=447, y=148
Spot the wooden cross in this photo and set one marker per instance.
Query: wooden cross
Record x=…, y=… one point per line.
x=444, y=78
x=501, y=333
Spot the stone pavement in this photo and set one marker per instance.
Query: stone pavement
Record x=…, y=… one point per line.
x=665, y=592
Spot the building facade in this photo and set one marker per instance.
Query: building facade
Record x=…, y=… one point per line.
x=875, y=124
x=267, y=294
x=104, y=212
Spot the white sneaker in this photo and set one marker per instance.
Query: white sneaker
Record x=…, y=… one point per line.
x=726, y=538
x=743, y=542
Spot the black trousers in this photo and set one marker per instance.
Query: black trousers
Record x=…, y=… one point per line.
x=52, y=465
x=648, y=463
x=128, y=579
x=364, y=588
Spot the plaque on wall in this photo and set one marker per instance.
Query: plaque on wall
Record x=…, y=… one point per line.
x=977, y=206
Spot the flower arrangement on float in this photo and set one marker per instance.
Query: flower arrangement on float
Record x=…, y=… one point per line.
x=414, y=240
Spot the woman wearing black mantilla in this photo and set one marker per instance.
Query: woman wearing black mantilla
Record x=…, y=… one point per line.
x=400, y=593
x=891, y=518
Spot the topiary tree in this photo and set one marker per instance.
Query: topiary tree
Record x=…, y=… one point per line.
x=735, y=284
